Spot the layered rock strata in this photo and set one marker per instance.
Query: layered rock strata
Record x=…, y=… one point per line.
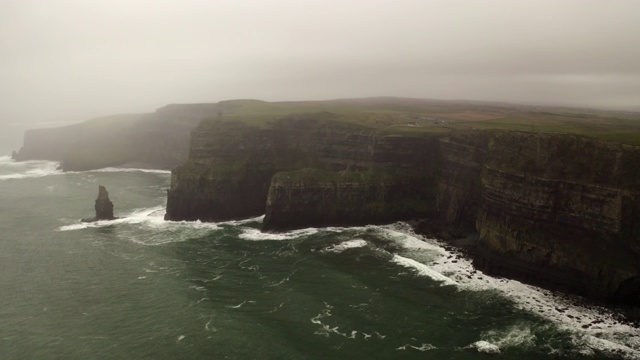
x=562, y=209
x=232, y=164
x=557, y=209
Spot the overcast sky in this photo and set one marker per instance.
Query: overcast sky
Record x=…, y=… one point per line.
x=66, y=59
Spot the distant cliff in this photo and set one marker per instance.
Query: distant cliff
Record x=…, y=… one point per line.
x=556, y=209
x=158, y=140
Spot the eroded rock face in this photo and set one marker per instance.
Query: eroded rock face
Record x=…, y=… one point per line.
x=557, y=210
x=231, y=168
x=103, y=206
x=561, y=208
x=312, y=197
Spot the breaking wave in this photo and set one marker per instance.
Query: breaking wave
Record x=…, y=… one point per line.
x=10, y=169
x=114, y=169
x=158, y=230
x=345, y=245
x=257, y=235
x=594, y=329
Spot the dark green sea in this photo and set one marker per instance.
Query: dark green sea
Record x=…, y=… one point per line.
x=143, y=288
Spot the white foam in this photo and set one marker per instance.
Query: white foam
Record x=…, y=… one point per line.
x=115, y=169
x=159, y=231
x=422, y=269
x=152, y=217
x=206, y=326
x=423, y=347
x=519, y=335
x=485, y=347
x=30, y=169
x=6, y=160
x=603, y=332
x=257, y=235
x=239, y=305
x=242, y=221
x=350, y=244
x=403, y=235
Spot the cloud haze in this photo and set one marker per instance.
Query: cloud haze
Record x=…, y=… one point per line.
x=74, y=58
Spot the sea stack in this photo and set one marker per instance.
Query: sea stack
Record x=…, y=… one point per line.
x=104, y=206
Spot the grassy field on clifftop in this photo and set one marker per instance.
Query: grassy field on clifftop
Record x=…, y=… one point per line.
x=432, y=117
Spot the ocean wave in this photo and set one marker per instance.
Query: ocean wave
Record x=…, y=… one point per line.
x=152, y=217
x=345, y=245
x=242, y=221
x=257, y=235
x=422, y=347
x=594, y=327
x=157, y=230
x=422, y=269
x=402, y=234
x=4, y=160
x=28, y=169
x=115, y=169
x=597, y=327
x=484, y=347
x=520, y=335
x=326, y=330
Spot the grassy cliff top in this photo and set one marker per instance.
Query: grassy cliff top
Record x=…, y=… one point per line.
x=427, y=117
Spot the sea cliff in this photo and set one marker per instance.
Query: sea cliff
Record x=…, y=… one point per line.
x=157, y=140
x=559, y=210
x=562, y=206
x=303, y=170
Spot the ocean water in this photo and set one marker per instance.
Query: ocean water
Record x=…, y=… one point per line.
x=140, y=287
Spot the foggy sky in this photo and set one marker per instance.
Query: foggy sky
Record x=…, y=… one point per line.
x=76, y=59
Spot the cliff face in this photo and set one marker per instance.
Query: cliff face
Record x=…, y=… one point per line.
x=158, y=140
x=460, y=189
x=558, y=210
x=326, y=172
x=561, y=206
x=227, y=174
x=163, y=139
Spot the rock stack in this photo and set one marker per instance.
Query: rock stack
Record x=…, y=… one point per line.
x=104, y=206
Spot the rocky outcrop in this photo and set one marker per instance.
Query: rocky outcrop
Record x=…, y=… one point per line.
x=103, y=206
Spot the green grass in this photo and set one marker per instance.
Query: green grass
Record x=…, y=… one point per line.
x=396, y=116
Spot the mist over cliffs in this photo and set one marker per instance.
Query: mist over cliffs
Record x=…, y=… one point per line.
x=157, y=140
